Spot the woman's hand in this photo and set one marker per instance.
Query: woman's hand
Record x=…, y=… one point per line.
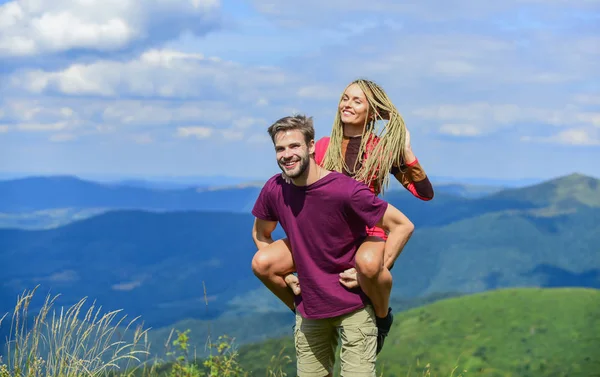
x=286, y=178
x=409, y=156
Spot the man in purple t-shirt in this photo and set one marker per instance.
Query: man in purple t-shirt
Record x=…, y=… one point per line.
x=324, y=215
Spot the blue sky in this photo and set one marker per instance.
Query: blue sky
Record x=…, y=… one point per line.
x=188, y=87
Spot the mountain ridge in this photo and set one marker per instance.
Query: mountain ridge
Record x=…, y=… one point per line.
x=153, y=262
x=566, y=191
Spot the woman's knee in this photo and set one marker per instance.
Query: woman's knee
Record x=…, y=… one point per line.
x=275, y=259
x=369, y=263
x=262, y=263
x=387, y=278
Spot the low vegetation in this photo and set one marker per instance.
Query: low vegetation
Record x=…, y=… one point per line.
x=516, y=332
x=79, y=341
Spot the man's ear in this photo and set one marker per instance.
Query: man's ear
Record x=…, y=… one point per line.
x=311, y=147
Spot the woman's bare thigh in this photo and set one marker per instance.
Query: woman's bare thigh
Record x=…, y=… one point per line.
x=279, y=255
x=372, y=244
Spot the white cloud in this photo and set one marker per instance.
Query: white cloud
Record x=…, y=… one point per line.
x=460, y=68
x=66, y=112
x=30, y=110
x=262, y=102
x=573, y=137
x=319, y=92
x=128, y=286
x=61, y=138
x=41, y=127
x=460, y=130
x=480, y=117
x=198, y=132
x=259, y=139
x=29, y=27
x=470, y=61
x=162, y=112
x=589, y=118
x=67, y=276
x=232, y=134
x=247, y=122
x=453, y=68
x=504, y=60
x=159, y=73
x=143, y=139
x=104, y=128
x=316, y=11
x=588, y=99
x=141, y=121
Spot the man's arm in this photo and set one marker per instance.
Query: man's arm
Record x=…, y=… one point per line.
x=262, y=231
x=400, y=230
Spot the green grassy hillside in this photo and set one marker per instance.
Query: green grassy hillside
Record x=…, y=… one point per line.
x=504, y=333
x=501, y=250
x=256, y=326
x=568, y=191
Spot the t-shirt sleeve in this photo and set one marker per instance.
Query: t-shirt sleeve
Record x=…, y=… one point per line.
x=263, y=207
x=366, y=205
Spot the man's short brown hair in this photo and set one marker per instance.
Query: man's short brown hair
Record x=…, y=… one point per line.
x=301, y=123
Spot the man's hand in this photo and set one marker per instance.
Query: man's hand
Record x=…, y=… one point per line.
x=348, y=278
x=400, y=230
x=292, y=281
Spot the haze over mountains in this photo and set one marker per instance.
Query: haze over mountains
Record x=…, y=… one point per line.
x=44, y=193
x=47, y=193
x=48, y=202
x=157, y=263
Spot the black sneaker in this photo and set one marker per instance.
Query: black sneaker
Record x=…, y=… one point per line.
x=383, y=328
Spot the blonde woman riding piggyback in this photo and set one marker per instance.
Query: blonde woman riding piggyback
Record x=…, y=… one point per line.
x=356, y=149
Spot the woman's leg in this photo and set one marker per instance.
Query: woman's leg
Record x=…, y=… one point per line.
x=271, y=264
x=374, y=279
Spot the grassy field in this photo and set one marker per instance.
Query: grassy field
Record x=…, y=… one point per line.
x=505, y=333
x=515, y=332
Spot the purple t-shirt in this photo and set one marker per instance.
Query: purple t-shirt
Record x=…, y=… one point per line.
x=325, y=223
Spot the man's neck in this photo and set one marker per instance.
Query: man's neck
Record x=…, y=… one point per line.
x=310, y=176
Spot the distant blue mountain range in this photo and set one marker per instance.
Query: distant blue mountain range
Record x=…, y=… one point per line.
x=155, y=254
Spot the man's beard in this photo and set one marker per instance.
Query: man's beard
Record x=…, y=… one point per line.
x=300, y=169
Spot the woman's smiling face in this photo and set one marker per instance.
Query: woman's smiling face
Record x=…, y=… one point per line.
x=354, y=107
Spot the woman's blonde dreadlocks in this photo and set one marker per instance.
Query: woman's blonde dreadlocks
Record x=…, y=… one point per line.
x=388, y=151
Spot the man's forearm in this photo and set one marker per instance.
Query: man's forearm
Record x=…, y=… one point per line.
x=262, y=241
x=397, y=239
x=262, y=233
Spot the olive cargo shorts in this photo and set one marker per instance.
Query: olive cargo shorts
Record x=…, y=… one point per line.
x=316, y=341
